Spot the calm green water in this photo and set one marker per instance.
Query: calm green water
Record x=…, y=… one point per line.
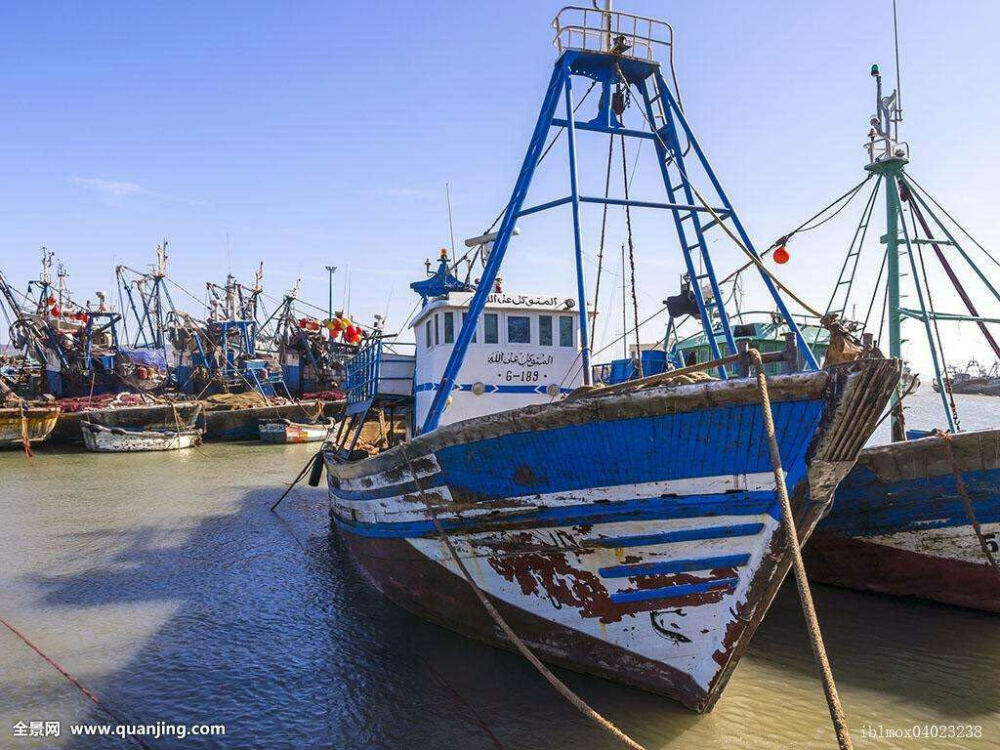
x=163, y=583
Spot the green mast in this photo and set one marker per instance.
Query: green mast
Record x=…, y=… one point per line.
x=890, y=169
x=888, y=157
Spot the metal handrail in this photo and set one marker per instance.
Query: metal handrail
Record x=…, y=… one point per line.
x=581, y=28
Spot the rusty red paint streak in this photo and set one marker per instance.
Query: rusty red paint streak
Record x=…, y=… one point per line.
x=552, y=576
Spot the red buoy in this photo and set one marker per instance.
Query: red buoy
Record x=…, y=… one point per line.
x=781, y=255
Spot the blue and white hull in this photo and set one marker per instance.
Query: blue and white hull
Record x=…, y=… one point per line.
x=899, y=525
x=633, y=535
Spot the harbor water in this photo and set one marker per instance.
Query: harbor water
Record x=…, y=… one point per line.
x=165, y=586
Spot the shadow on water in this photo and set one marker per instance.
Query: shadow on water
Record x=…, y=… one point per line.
x=275, y=634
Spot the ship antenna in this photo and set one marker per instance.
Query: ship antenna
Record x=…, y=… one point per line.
x=897, y=114
x=899, y=80
x=451, y=226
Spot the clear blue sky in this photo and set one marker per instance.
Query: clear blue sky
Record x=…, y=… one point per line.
x=318, y=133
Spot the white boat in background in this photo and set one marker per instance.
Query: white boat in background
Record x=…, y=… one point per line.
x=102, y=439
x=286, y=431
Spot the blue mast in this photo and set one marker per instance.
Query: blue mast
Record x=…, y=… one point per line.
x=618, y=51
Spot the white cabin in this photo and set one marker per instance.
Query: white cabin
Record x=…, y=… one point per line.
x=525, y=351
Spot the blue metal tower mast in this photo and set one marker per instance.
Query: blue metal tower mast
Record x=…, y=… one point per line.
x=619, y=52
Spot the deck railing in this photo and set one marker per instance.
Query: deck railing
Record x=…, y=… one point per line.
x=625, y=34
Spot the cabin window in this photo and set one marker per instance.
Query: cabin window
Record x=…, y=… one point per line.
x=518, y=329
x=474, y=333
x=437, y=331
x=428, y=328
x=565, y=330
x=491, y=328
x=545, y=330
x=449, y=328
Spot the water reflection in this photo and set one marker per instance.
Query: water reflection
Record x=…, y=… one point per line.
x=170, y=589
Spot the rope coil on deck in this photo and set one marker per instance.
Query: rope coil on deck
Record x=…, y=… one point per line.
x=795, y=549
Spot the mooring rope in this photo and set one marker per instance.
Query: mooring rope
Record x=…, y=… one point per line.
x=302, y=473
x=963, y=492
x=91, y=696
x=792, y=536
x=560, y=687
x=25, y=435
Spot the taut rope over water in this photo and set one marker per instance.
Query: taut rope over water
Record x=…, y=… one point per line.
x=792, y=536
x=55, y=665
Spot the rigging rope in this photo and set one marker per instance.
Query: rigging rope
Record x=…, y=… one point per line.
x=89, y=695
x=631, y=261
x=753, y=258
x=914, y=183
x=934, y=322
x=604, y=224
x=849, y=196
x=967, y=501
x=801, y=581
x=544, y=154
x=576, y=701
x=906, y=195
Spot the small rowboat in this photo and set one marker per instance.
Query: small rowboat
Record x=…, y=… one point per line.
x=286, y=431
x=116, y=440
x=33, y=422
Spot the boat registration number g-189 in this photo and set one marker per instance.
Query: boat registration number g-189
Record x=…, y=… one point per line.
x=524, y=376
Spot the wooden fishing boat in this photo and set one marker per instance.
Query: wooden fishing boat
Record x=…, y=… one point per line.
x=900, y=525
x=222, y=422
x=973, y=379
x=631, y=532
x=286, y=431
x=102, y=439
x=34, y=423
x=161, y=416
x=608, y=532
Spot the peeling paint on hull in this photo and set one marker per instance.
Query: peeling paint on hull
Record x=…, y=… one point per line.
x=898, y=525
x=633, y=536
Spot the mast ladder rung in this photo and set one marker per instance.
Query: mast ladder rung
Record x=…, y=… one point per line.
x=723, y=215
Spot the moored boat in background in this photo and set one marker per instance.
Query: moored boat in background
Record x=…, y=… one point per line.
x=973, y=379
x=237, y=416
x=919, y=516
x=151, y=416
x=286, y=431
x=29, y=424
x=100, y=439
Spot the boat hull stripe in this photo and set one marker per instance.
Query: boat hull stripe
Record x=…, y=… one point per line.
x=684, y=535
x=733, y=504
x=674, y=566
x=673, y=592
